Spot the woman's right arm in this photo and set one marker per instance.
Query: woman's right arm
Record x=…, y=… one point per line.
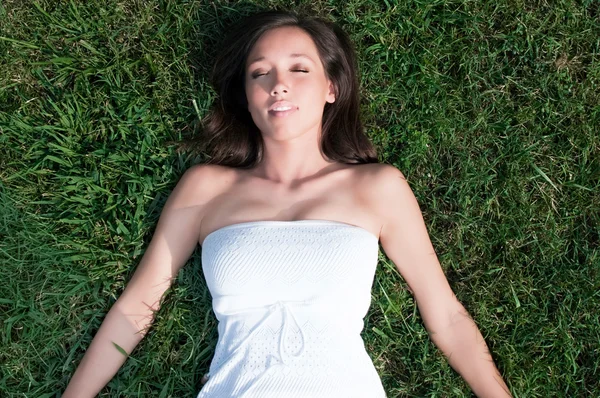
x=129, y=318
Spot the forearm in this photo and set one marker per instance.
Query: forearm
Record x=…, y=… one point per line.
x=102, y=359
x=468, y=354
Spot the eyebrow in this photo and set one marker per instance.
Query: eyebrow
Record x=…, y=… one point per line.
x=291, y=56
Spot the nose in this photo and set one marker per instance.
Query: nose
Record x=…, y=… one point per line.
x=279, y=86
x=278, y=90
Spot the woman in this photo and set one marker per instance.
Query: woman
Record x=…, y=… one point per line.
x=289, y=214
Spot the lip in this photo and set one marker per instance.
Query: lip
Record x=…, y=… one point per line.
x=281, y=103
x=283, y=113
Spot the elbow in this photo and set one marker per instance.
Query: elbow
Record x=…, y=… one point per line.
x=449, y=325
x=138, y=314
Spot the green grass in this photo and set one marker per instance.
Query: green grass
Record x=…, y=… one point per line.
x=491, y=110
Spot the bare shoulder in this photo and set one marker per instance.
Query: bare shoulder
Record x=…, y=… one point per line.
x=380, y=180
x=199, y=173
x=382, y=186
x=391, y=188
x=197, y=185
x=378, y=173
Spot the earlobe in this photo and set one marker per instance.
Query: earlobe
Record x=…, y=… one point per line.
x=331, y=95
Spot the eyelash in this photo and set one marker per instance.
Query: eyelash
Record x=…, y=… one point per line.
x=254, y=76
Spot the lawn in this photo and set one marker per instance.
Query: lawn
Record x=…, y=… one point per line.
x=490, y=109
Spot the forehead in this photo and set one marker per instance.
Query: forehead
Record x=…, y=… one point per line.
x=283, y=42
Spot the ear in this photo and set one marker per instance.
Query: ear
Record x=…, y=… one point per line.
x=331, y=95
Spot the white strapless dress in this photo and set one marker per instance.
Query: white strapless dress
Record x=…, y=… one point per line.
x=290, y=298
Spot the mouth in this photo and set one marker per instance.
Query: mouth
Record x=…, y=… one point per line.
x=282, y=111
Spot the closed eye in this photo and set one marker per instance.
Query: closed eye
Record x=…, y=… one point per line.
x=255, y=75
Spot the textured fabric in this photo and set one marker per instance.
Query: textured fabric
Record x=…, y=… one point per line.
x=290, y=298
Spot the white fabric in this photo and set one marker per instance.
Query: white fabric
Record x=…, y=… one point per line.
x=290, y=298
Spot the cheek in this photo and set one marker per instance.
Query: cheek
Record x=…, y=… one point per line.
x=255, y=96
x=313, y=89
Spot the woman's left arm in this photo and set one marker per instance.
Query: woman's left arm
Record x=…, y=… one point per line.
x=405, y=240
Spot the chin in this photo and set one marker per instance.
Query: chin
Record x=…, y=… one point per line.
x=283, y=134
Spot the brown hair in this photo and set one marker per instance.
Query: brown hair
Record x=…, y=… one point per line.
x=228, y=133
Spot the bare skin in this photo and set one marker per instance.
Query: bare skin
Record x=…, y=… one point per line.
x=284, y=70
x=336, y=193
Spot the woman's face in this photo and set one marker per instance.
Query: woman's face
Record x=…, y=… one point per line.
x=286, y=86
